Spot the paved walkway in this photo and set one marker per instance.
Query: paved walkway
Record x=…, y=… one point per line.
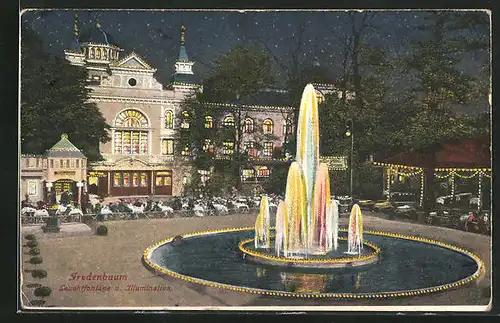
x=119, y=253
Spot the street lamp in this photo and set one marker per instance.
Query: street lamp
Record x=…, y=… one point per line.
x=349, y=132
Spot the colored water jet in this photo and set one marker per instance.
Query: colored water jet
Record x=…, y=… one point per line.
x=355, y=231
x=262, y=225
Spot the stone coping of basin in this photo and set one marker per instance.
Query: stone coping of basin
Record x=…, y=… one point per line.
x=380, y=295
x=337, y=262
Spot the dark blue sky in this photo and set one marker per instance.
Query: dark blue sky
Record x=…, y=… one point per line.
x=155, y=34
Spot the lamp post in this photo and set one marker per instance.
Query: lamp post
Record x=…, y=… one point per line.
x=349, y=132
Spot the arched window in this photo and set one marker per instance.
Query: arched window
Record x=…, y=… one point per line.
x=209, y=122
x=287, y=128
x=131, y=119
x=92, y=52
x=228, y=121
x=128, y=136
x=249, y=125
x=169, y=119
x=185, y=121
x=268, y=126
x=98, y=53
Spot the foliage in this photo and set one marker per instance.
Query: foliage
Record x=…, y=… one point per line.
x=54, y=101
x=32, y=244
x=102, y=230
x=43, y=291
x=442, y=82
x=241, y=72
x=36, y=260
x=244, y=69
x=34, y=251
x=276, y=183
x=39, y=273
x=30, y=237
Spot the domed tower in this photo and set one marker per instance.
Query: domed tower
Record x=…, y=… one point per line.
x=96, y=50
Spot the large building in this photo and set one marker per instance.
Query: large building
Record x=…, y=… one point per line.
x=143, y=115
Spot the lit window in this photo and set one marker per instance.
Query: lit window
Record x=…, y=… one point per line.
x=131, y=142
x=204, y=175
x=144, y=180
x=228, y=121
x=185, y=120
x=228, y=147
x=287, y=129
x=169, y=119
x=117, y=180
x=126, y=179
x=208, y=146
x=131, y=119
x=167, y=147
x=268, y=149
x=250, y=148
x=263, y=171
x=249, y=125
x=135, y=179
x=268, y=126
x=248, y=174
x=209, y=123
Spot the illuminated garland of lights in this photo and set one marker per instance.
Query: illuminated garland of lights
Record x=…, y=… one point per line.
x=479, y=195
x=231, y=105
x=452, y=183
x=421, y=202
x=442, y=176
x=467, y=176
x=388, y=186
x=417, y=172
x=262, y=255
x=165, y=271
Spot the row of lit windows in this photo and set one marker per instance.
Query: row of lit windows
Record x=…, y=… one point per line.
x=130, y=142
x=167, y=148
x=61, y=163
x=228, y=121
x=261, y=171
x=139, y=179
x=135, y=119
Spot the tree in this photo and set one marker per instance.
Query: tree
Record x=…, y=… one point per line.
x=54, y=100
x=442, y=82
x=206, y=127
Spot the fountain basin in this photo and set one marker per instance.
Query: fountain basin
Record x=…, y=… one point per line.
x=347, y=261
x=212, y=258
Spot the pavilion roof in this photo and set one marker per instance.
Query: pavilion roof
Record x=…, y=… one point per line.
x=468, y=153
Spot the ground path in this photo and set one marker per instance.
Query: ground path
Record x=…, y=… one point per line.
x=120, y=253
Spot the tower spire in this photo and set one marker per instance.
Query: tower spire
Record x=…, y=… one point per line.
x=183, y=29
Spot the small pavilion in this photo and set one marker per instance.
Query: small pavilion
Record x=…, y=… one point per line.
x=466, y=159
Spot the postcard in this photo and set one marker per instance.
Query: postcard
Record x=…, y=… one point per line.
x=270, y=160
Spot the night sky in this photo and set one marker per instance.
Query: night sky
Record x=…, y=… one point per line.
x=155, y=35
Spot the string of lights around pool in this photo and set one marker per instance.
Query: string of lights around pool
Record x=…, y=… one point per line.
x=160, y=270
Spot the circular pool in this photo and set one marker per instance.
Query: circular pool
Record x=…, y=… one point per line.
x=406, y=266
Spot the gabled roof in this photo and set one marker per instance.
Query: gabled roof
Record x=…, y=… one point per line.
x=133, y=60
x=64, y=148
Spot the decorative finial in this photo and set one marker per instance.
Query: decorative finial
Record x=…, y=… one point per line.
x=75, y=28
x=64, y=136
x=183, y=29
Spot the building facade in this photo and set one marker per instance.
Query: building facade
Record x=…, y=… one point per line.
x=140, y=159
x=63, y=168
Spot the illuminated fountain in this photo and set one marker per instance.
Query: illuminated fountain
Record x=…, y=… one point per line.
x=307, y=251
x=307, y=220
